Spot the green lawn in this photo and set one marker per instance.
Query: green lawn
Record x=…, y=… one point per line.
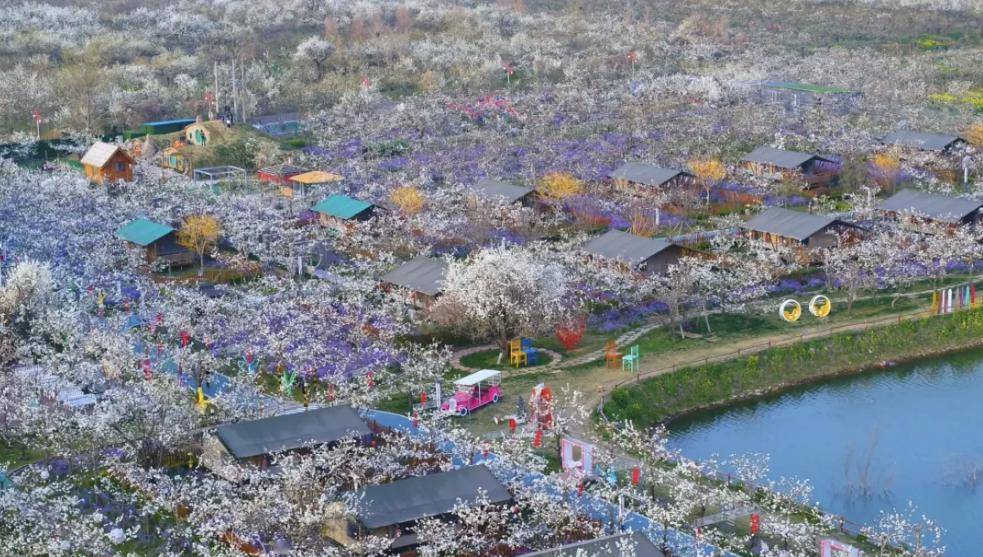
x=489, y=360
x=663, y=396
x=16, y=456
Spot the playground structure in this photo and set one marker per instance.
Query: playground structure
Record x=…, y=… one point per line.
x=541, y=407
x=953, y=298
x=820, y=306
x=474, y=391
x=216, y=176
x=790, y=310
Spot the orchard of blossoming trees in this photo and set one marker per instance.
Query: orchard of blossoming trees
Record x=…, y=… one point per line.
x=478, y=142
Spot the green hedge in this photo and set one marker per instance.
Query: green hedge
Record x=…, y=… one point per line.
x=657, y=399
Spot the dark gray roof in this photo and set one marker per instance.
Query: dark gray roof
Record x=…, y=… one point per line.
x=497, y=189
x=608, y=546
x=921, y=140
x=788, y=224
x=291, y=431
x=937, y=207
x=425, y=496
x=615, y=244
x=421, y=274
x=789, y=160
x=645, y=174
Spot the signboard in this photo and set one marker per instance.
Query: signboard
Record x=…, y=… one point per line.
x=834, y=548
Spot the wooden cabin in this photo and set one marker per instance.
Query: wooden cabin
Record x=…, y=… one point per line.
x=159, y=241
x=815, y=171
x=649, y=256
x=422, y=278
x=803, y=232
x=924, y=141
x=280, y=174
x=340, y=211
x=254, y=441
x=918, y=207
x=105, y=163
x=649, y=176
x=392, y=510
x=616, y=545
x=501, y=192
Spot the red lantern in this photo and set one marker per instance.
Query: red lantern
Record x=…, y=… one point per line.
x=755, y=523
x=537, y=441
x=635, y=475
x=512, y=424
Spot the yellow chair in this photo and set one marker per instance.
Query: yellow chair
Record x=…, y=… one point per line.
x=517, y=357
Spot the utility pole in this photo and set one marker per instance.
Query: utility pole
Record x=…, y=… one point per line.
x=216, y=88
x=235, y=91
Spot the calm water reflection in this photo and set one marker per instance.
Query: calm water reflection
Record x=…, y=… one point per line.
x=870, y=442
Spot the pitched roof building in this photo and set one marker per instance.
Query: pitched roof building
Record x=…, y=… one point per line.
x=776, y=225
x=288, y=432
x=498, y=190
x=424, y=276
x=342, y=208
x=106, y=162
x=412, y=499
x=646, y=174
x=650, y=255
x=939, y=208
x=158, y=240
x=924, y=141
x=782, y=159
x=635, y=544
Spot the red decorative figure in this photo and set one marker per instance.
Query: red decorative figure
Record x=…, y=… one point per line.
x=512, y=424
x=423, y=398
x=755, y=523
x=635, y=475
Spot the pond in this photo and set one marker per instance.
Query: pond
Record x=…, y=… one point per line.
x=869, y=442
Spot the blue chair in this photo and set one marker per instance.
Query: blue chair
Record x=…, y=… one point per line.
x=629, y=361
x=532, y=353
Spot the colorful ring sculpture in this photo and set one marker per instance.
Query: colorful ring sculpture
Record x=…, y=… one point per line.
x=790, y=310
x=820, y=306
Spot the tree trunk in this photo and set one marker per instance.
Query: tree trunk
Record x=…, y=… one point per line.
x=201, y=265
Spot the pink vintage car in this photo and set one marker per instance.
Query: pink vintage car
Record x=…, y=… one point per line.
x=474, y=391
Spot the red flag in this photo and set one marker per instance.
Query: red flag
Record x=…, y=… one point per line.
x=635, y=475
x=423, y=397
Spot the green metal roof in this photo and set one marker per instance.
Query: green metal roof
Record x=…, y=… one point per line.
x=341, y=206
x=143, y=232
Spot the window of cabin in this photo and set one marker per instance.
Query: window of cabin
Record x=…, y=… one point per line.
x=120, y=167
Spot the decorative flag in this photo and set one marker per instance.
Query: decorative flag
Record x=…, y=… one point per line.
x=635, y=475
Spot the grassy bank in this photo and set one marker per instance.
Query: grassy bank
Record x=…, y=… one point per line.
x=662, y=397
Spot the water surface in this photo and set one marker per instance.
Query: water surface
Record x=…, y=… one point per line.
x=869, y=442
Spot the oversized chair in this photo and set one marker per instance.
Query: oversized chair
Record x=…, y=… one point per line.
x=532, y=353
x=630, y=361
x=517, y=357
x=611, y=355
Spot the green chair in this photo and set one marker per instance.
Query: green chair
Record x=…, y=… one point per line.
x=630, y=360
